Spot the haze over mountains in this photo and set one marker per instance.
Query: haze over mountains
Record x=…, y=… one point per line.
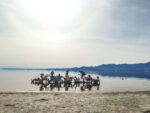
x=140, y=70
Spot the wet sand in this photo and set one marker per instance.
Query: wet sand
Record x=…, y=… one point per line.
x=67, y=102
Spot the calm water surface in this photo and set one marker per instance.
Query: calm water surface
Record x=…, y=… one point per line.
x=21, y=81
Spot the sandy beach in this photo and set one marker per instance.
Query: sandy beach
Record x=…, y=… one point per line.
x=67, y=102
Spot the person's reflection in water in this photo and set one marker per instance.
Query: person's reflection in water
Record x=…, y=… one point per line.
x=41, y=88
x=59, y=86
x=89, y=87
x=66, y=86
x=76, y=85
x=98, y=87
x=51, y=87
x=82, y=88
x=78, y=82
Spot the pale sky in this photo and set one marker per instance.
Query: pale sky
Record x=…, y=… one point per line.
x=69, y=33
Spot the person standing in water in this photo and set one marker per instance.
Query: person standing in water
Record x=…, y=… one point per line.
x=52, y=78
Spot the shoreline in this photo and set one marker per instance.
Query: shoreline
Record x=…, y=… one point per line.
x=88, y=92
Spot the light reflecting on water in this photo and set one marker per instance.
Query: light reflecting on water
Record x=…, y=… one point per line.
x=21, y=81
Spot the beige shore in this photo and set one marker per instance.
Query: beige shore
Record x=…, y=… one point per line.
x=61, y=102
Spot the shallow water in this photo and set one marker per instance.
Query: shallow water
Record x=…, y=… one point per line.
x=20, y=80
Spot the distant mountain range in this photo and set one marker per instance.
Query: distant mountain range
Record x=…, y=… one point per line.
x=140, y=70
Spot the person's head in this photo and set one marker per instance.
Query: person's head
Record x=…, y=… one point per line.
x=97, y=77
x=42, y=75
x=52, y=73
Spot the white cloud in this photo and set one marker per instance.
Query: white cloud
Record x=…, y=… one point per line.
x=111, y=31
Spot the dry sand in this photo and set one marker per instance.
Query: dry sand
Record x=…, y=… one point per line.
x=58, y=102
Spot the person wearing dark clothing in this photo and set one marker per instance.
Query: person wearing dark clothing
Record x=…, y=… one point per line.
x=89, y=80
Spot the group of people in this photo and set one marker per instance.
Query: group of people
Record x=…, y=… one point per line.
x=58, y=80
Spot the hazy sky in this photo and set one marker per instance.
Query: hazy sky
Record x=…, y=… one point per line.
x=66, y=33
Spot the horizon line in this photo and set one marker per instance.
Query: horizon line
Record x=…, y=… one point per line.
x=17, y=67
